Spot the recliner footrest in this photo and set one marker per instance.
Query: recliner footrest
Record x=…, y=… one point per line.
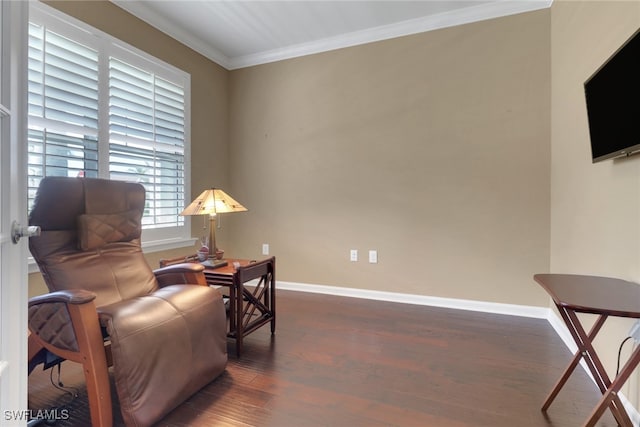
x=164, y=348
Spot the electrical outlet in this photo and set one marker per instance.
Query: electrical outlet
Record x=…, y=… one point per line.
x=635, y=332
x=265, y=249
x=373, y=257
x=353, y=256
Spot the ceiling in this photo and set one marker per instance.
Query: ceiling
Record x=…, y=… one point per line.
x=242, y=33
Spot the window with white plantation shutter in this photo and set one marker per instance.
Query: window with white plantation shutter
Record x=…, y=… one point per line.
x=100, y=108
x=146, y=138
x=63, y=107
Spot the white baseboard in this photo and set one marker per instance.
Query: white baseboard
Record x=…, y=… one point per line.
x=487, y=307
x=461, y=304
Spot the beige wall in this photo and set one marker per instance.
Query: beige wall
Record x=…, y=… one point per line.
x=595, y=208
x=432, y=149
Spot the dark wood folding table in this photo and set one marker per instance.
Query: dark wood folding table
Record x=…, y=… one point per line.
x=603, y=297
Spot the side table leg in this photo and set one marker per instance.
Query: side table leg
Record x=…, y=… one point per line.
x=239, y=289
x=563, y=379
x=598, y=371
x=610, y=398
x=576, y=357
x=232, y=309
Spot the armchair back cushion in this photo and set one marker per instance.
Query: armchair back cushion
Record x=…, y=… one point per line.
x=90, y=238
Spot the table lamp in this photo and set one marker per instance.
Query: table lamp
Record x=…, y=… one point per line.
x=213, y=202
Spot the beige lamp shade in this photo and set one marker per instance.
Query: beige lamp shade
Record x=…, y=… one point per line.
x=212, y=202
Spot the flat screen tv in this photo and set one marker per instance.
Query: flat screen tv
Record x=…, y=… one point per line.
x=613, y=103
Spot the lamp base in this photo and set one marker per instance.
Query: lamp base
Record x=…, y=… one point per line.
x=214, y=263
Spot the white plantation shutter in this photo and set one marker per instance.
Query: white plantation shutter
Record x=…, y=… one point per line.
x=146, y=138
x=100, y=108
x=64, y=77
x=63, y=107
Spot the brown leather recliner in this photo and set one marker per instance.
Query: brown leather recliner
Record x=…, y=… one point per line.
x=163, y=331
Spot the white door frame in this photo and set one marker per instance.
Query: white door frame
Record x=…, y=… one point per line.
x=13, y=207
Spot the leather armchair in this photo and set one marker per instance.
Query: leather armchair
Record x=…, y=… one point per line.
x=163, y=332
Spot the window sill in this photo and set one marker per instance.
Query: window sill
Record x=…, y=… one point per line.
x=167, y=244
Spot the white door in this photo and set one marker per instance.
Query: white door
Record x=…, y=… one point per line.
x=13, y=207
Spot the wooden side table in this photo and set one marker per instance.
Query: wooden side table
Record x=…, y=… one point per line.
x=252, y=295
x=604, y=297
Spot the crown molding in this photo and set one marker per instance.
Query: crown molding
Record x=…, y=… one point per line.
x=477, y=13
x=414, y=26
x=159, y=22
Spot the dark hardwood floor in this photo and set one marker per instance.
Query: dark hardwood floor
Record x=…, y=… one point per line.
x=337, y=361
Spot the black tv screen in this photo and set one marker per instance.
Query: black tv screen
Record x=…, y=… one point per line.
x=613, y=103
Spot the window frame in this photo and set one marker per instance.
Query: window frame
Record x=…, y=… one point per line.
x=153, y=239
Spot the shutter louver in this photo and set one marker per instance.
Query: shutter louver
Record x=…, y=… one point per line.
x=63, y=107
x=146, y=139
